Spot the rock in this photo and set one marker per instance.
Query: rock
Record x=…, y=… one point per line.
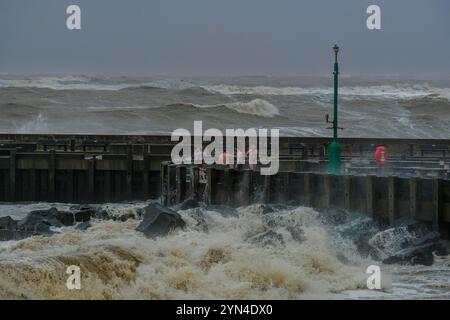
x=40, y=221
x=8, y=223
x=268, y=238
x=225, y=211
x=102, y=215
x=188, y=204
x=360, y=230
x=199, y=216
x=7, y=235
x=159, y=221
x=388, y=242
x=66, y=218
x=83, y=226
x=267, y=209
x=8, y=229
x=84, y=215
x=416, y=255
x=36, y=223
x=86, y=212
x=411, y=244
x=83, y=207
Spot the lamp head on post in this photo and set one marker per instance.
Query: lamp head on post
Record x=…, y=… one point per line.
x=336, y=51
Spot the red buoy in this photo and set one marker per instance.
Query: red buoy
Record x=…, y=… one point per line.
x=381, y=156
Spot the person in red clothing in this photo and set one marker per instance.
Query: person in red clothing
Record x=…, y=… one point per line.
x=225, y=159
x=381, y=159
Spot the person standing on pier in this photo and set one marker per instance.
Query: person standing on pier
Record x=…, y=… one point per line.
x=225, y=159
x=252, y=157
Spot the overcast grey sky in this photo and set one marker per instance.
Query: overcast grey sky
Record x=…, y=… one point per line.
x=224, y=37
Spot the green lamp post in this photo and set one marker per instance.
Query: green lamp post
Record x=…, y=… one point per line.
x=334, y=149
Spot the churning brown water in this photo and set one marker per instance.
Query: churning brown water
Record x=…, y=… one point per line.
x=214, y=257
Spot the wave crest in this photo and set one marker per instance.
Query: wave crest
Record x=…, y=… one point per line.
x=400, y=91
x=256, y=107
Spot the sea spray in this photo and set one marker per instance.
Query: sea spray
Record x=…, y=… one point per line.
x=119, y=263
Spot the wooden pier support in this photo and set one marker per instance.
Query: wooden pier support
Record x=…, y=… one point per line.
x=129, y=172
x=392, y=201
x=267, y=197
x=347, y=191
x=369, y=196
x=12, y=174
x=436, y=204
x=227, y=194
x=146, y=176
x=181, y=183
x=91, y=179
x=307, y=189
x=245, y=187
x=51, y=175
x=413, y=197
x=327, y=190
x=164, y=183
x=32, y=186
x=107, y=184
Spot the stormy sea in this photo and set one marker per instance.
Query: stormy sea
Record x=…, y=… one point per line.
x=255, y=252
x=384, y=107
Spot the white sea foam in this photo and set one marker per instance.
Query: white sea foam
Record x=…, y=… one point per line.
x=257, y=107
x=87, y=83
x=38, y=125
x=221, y=263
x=400, y=90
x=385, y=91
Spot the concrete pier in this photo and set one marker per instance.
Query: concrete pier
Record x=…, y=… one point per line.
x=104, y=168
x=386, y=199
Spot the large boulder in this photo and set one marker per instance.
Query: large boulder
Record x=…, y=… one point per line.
x=40, y=221
x=410, y=244
x=419, y=251
x=8, y=223
x=35, y=223
x=200, y=217
x=83, y=226
x=159, y=221
x=85, y=212
x=359, y=230
x=8, y=229
x=68, y=218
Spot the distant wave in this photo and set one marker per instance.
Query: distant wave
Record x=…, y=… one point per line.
x=91, y=83
x=257, y=107
x=390, y=91
x=385, y=91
